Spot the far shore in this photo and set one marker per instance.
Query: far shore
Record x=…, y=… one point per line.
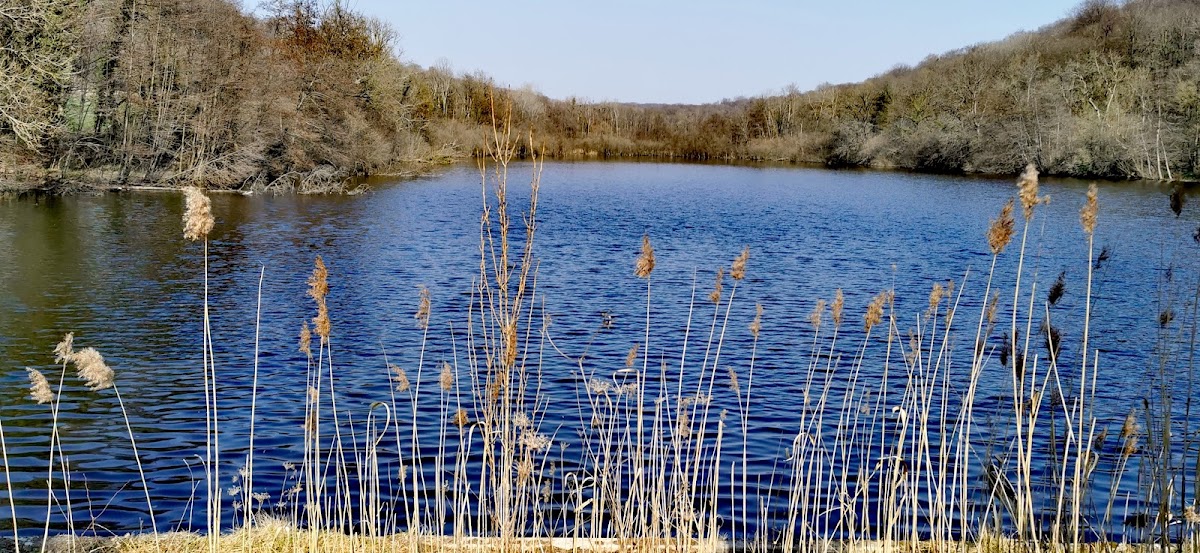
x=27, y=180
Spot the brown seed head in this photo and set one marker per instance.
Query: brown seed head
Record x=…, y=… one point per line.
x=992, y=307
x=733, y=382
x=645, y=261
x=422, y=315
x=835, y=309
x=685, y=423
x=1098, y=441
x=914, y=344
x=446, y=379
x=1028, y=183
x=65, y=349
x=39, y=387
x=197, y=214
x=1087, y=215
x=818, y=311
x=399, y=377
x=92, y=369
x=715, y=295
x=631, y=356
x=1130, y=427
x=737, y=271
x=1131, y=446
x=310, y=423
x=524, y=471
x=510, y=344
x=318, y=289
x=1000, y=233
x=318, y=282
x=935, y=296
x=1190, y=515
x=321, y=322
x=460, y=418
x=874, y=314
x=305, y=340
x=756, y=324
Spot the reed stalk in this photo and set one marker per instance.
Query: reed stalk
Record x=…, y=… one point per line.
x=248, y=495
x=12, y=506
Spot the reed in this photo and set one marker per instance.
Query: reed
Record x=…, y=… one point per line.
x=198, y=222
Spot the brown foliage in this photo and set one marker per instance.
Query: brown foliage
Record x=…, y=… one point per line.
x=312, y=92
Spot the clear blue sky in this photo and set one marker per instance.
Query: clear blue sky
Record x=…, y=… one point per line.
x=698, y=51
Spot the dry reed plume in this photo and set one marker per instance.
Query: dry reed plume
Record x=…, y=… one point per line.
x=737, y=271
x=305, y=345
x=1028, y=184
x=197, y=215
x=400, y=378
x=1087, y=215
x=935, y=296
x=874, y=314
x=715, y=295
x=318, y=289
x=631, y=356
x=446, y=378
x=65, y=349
x=39, y=387
x=423, y=305
x=645, y=261
x=814, y=318
x=460, y=418
x=92, y=369
x=835, y=308
x=1001, y=231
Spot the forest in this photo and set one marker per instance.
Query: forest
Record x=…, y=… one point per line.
x=307, y=94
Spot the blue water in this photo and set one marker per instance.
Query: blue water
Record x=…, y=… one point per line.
x=115, y=270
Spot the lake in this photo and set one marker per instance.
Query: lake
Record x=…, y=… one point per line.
x=114, y=269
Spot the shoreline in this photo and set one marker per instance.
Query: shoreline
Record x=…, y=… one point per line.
x=356, y=184
x=26, y=181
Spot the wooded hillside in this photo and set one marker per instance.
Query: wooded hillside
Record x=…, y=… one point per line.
x=307, y=93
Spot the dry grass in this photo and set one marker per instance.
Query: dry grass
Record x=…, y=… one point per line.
x=277, y=536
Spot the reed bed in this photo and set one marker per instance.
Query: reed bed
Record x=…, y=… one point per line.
x=890, y=451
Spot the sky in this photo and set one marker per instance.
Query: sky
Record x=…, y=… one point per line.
x=696, y=51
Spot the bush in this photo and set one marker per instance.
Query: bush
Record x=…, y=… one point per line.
x=846, y=146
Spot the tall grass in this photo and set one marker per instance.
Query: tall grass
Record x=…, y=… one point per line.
x=889, y=451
